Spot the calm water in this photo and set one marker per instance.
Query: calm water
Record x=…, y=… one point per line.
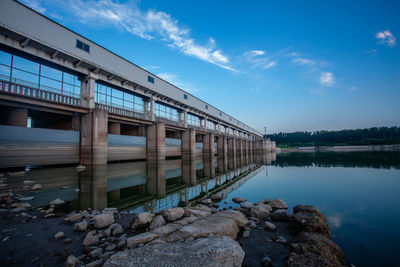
x=359, y=193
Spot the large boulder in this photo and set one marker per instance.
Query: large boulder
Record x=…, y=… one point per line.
x=312, y=249
x=246, y=204
x=238, y=199
x=309, y=219
x=103, y=220
x=215, y=251
x=259, y=212
x=141, y=220
x=172, y=214
x=280, y=216
x=196, y=212
x=140, y=239
x=157, y=221
x=278, y=204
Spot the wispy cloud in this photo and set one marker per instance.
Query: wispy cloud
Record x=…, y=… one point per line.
x=353, y=88
x=303, y=61
x=175, y=80
x=258, y=59
x=35, y=4
x=371, y=52
x=387, y=38
x=326, y=79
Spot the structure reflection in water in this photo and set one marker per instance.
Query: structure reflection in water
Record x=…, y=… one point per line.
x=143, y=185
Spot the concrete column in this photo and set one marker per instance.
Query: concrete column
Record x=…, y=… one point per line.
x=185, y=118
x=208, y=145
x=222, y=146
x=114, y=128
x=94, y=138
x=205, y=123
x=189, y=144
x=18, y=117
x=142, y=130
x=76, y=120
x=152, y=105
x=156, y=141
x=88, y=84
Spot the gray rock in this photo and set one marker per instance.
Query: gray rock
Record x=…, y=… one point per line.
x=266, y=261
x=246, y=204
x=21, y=205
x=269, y=226
x=264, y=206
x=259, y=212
x=95, y=263
x=111, y=247
x=37, y=187
x=90, y=239
x=216, y=197
x=25, y=198
x=57, y=202
x=173, y=214
x=166, y=229
x=73, y=217
x=118, y=230
x=140, y=239
x=278, y=204
x=280, y=216
x=72, y=261
x=206, y=201
x=252, y=224
x=141, y=220
x=238, y=199
x=59, y=235
x=246, y=234
x=281, y=240
x=157, y=222
x=196, y=212
x=121, y=243
x=82, y=226
x=96, y=253
x=103, y=220
x=266, y=201
x=206, y=252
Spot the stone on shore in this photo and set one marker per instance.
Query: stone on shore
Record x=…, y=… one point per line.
x=246, y=204
x=59, y=235
x=263, y=206
x=314, y=249
x=166, y=229
x=309, y=219
x=141, y=220
x=96, y=253
x=82, y=226
x=118, y=230
x=259, y=212
x=238, y=199
x=103, y=220
x=57, y=202
x=37, y=187
x=173, y=214
x=157, y=222
x=269, y=226
x=72, y=261
x=216, y=197
x=140, y=239
x=21, y=205
x=206, y=201
x=73, y=217
x=196, y=212
x=280, y=216
x=90, y=239
x=278, y=204
x=206, y=252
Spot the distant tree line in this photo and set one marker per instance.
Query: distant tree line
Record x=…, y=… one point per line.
x=370, y=136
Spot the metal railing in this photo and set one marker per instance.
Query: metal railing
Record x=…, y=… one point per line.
x=170, y=122
x=28, y=89
x=120, y=111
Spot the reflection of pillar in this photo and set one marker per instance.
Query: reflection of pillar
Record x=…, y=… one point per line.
x=207, y=167
x=156, y=182
x=189, y=172
x=94, y=138
x=114, y=128
x=156, y=141
x=204, y=187
x=208, y=145
x=114, y=196
x=93, y=188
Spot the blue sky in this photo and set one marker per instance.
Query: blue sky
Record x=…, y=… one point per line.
x=284, y=65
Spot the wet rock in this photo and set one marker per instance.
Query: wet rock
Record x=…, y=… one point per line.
x=21, y=205
x=16, y=210
x=278, y=204
x=196, y=212
x=264, y=206
x=26, y=198
x=269, y=226
x=90, y=239
x=82, y=226
x=246, y=204
x=157, y=222
x=186, y=220
x=140, y=239
x=118, y=230
x=121, y=243
x=36, y=187
x=246, y=234
x=206, y=201
x=111, y=247
x=107, y=232
x=57, y=202
x=216, y=197
x=206, y=252
x=59, y=235
x=309, y=219
x=141, y=220
x=173, y=214
x=238, y=199
x=103, y=220
x=72, y=261
x=73, y=217
x=266, y=201
x=95, y=263
x=252, y=224
x=280, y=216
x=96, y=253
x=314, y=249
x=166, y=229
x=259, y=212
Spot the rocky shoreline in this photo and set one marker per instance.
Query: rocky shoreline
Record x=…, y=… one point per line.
x=259, y=234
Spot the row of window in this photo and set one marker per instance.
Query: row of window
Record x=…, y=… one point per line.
x=193, y=120
x=37, y=75
x=166, y=112
x=113, y=97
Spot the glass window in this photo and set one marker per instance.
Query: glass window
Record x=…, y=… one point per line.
x=167, y=112
x=150, y=79
x=193, y=120
x=5, y=65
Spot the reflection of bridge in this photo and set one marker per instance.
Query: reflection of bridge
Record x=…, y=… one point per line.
x=67, y=100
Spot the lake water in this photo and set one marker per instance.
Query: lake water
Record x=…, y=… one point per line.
x=359, y=193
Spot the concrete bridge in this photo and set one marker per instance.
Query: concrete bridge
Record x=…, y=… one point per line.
x=67, y=100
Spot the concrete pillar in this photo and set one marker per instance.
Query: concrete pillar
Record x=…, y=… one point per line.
x=18, y=117
x=142, y=130
x=88, y=84
x=185, y=118
x=114, y=128
x=94, y=138
x=76, y=120
x=152, y=105
x=208, y=145
x=222, y=146
x=189, y=144
x=156, y=141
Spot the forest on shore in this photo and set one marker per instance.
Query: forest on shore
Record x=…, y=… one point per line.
x=368, y=136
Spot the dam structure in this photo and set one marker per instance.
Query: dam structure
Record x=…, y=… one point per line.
x=67, y=100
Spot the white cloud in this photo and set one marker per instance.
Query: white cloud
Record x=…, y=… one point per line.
x=326, y=79
x=303, y=61
x=386, y=37
x=149, y=24
x=258, y=59
x=36, y=5
x=175, y=80
x=353, y=88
